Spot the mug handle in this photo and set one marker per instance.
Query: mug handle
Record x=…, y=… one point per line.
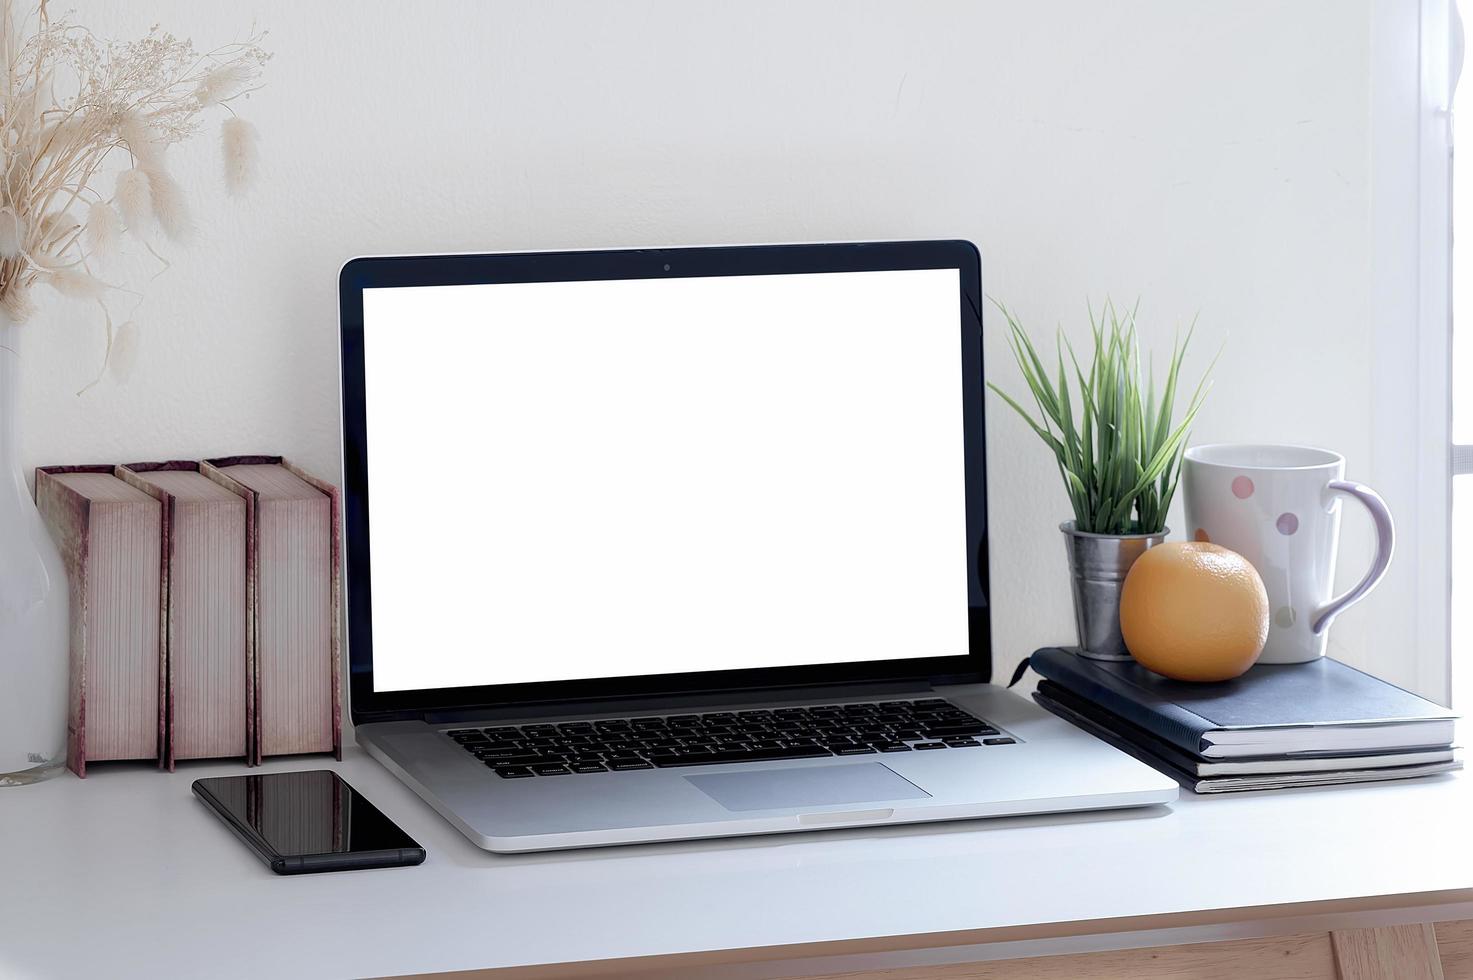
x=1385, y=543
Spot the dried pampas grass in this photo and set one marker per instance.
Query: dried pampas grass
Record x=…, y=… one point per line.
x=17, y=304
x=74, y=283
x=238, y=140
x=140, y=140
x=134, y=199
x=12, y=234
x=103, y=229
x=169, y=207
x=223, y=83
x=125, y=102
x=54, y=229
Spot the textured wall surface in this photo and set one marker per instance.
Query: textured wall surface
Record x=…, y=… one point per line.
x=1211, y=159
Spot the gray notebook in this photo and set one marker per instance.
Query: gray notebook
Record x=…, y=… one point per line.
x=1201, y=783
x=1321, y=707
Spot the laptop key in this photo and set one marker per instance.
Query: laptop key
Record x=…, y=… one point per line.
x=499, y=753
x=997, y=741
x=519, y=760
x=619, y=765
x=584, y=767
x=943, y=731
x=551, y=769
x=514, y=772
x=925, y=746
x=962, y=743
x=853, y=750
x=725, y=754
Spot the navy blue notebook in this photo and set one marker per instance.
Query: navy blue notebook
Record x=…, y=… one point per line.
x=1318, y=708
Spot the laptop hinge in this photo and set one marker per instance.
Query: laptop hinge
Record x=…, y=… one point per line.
x=653, y=704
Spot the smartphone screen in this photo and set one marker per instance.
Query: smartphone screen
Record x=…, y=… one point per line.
x=308, y=821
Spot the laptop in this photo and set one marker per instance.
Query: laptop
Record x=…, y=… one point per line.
x=680, y=543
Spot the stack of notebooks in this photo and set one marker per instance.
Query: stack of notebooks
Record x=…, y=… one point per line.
x=1275, y=727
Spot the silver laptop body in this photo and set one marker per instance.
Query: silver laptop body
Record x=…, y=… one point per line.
x=685, y=543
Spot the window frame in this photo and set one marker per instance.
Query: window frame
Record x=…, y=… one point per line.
x=1413, y=69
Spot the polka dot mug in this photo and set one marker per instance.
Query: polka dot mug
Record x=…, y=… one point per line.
x=1279, y=507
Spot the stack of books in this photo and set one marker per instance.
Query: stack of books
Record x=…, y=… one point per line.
x=205, y=608
x=1275, y=727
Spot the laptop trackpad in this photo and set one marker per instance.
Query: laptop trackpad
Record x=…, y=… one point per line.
x=779, y=789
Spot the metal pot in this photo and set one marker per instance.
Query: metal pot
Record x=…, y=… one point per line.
x=1097, y=567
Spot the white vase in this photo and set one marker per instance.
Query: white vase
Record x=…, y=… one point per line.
x=33, y=606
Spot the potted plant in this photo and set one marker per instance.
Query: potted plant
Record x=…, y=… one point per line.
x=1119, y=457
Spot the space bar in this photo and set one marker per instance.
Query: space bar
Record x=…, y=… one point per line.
x=743, y=755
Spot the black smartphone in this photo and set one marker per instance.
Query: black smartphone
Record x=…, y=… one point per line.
x=305, y=822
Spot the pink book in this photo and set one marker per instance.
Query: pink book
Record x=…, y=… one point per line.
x=110, y=537
x=295, y=585
x=209, y=694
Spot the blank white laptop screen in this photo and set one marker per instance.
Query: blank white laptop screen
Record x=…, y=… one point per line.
x=574, y=480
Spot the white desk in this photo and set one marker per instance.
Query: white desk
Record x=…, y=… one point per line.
x=126, y=875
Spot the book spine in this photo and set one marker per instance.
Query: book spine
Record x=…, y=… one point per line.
x=129, y=476
x=67, y=516
x=335, y=503
x=1165, y=720
x=209, y=640
x=253, y=618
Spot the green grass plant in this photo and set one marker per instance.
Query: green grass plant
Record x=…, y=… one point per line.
x=1112, y=434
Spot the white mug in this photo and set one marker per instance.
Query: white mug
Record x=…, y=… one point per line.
x=1279, y=507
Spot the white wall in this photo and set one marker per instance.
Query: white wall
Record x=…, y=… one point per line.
x=1209, y=158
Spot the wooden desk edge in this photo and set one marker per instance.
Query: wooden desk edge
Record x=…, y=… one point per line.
x=1008, y=942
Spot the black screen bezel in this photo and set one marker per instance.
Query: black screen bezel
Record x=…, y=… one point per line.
x=437, y=270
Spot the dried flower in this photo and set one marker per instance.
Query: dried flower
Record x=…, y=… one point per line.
x=224, y=82
x=238, y=145
x=134, y=200
x=18, y=172
x=73, y=282
x=168, y=205
x=140, y=140
x=103, y=229
x=122, y=102
x=54, y=229
x=17, y=303
x=12, y=234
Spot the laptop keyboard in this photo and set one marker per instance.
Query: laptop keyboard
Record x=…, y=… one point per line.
x=714, y=738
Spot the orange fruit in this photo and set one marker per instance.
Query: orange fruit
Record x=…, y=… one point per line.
x=1194, y=611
